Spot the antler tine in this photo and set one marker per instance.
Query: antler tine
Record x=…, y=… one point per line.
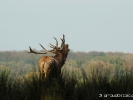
x=56, y=42
x=52, y=46
x=64, y=37
x=45, y=49
x=42, y=46
x=31, y=51
x=63, y=41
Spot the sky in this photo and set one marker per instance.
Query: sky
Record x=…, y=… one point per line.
x=88, y=25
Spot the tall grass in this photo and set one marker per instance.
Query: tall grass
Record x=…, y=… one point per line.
x=97, y=79
x=10, y=87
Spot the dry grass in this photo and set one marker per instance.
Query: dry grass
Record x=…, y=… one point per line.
x=81, y=84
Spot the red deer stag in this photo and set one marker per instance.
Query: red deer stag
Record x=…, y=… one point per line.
x=50, y=66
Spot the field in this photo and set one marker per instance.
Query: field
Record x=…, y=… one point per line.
x=85, y=76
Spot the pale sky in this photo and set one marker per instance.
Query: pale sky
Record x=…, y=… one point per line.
x=89, y=25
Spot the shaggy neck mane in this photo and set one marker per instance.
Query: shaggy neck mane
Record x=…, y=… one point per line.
x=60, y=57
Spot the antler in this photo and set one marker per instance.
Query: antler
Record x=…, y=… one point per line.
x=52, y=46
x=45, y=49
x=31, y=51
x=63, y=42
x=55, y=48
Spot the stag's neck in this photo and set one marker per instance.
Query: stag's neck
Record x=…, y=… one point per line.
x=60, y=57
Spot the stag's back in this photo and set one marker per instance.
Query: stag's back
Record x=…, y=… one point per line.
x=49, y=67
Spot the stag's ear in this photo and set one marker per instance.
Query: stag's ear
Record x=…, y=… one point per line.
x=67, y=45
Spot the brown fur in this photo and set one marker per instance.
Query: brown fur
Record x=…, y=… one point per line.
x=50, y=66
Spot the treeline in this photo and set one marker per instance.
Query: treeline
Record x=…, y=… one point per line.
x=21, y=61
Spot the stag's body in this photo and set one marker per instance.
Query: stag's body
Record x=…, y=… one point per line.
x=50, y=66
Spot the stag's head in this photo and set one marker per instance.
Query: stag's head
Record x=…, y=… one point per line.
x=63, y=49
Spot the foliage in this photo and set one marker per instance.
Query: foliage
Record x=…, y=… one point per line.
x=24, y=62
x=88, y=87
x=85, y=76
